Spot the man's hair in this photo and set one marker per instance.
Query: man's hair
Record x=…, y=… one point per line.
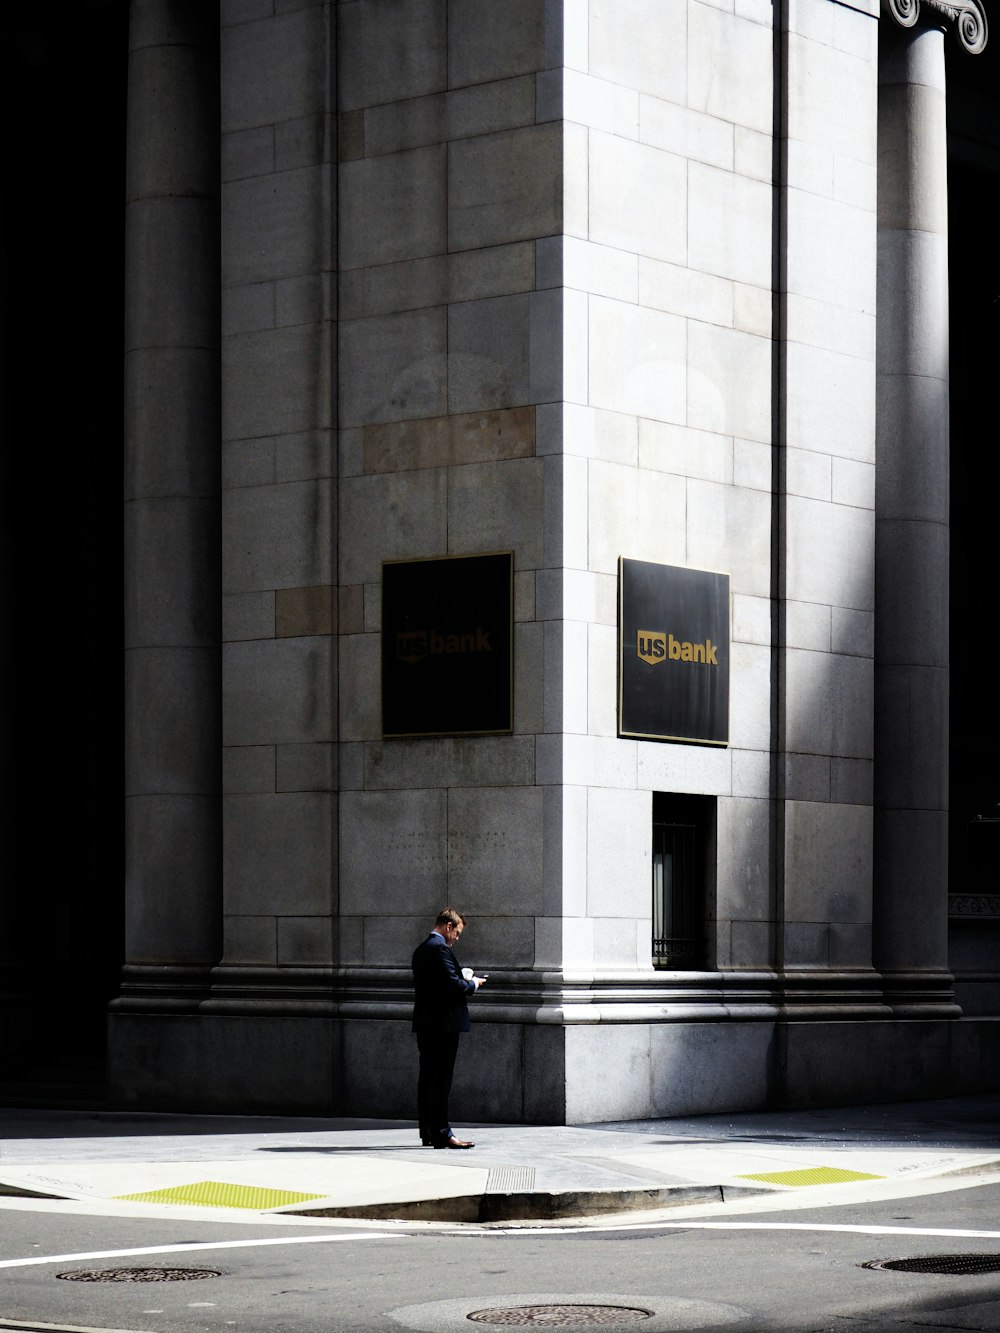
x=449, y=917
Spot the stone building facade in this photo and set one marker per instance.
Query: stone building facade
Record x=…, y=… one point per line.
x=582, y=281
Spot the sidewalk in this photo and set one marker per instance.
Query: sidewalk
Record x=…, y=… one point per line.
x=221, y=1166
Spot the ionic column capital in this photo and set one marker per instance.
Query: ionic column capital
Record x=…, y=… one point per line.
x=966, y=18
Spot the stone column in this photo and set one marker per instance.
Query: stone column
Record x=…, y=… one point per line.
x=172, y=660
x=912, y=539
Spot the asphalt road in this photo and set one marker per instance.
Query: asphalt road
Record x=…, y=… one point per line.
x=766, y=1268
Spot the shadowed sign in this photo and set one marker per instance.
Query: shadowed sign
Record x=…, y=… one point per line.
x=673, y=653
x=447, y=645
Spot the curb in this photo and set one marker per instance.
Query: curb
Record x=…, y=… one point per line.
x=533, y=1206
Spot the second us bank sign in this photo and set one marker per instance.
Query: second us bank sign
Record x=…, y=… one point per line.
x=673, y=653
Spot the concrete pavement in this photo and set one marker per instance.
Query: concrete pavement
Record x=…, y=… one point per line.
x=246, y=1167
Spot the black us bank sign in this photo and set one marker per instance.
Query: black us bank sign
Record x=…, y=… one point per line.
x=447, y=646
x=673, y=653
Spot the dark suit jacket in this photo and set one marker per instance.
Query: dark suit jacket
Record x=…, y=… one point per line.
x=440, y=992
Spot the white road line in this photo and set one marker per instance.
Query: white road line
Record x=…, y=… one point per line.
x=682, y=1225
x=194, y=1246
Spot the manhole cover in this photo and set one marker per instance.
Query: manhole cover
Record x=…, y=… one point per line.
x=138, y=1274
x=941, y=1263
x=550, y=1316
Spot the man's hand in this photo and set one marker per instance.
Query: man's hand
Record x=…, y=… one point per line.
x=480, y=981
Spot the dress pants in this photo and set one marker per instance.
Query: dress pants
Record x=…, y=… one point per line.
x=437, y=1065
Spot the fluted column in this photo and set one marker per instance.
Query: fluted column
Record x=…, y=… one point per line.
x=172, y=660
x=912, y=537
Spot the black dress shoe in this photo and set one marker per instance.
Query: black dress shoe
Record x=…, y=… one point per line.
x=455, y=1143
x=426, y=1143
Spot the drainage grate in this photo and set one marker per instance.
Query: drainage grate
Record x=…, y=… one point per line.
x=960, y=1264
x=138, y=1274
x=550, y=1316
x=510, y=1180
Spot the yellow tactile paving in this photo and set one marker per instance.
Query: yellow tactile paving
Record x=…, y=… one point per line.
x=219, y=1194
x=816, y=1175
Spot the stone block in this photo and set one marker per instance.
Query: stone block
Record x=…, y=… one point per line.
x=743, y=860
x=729, y=225
x=529, y=653
x=828, y=863
x=495, y=271
x=379, y=1060
x=279, y=537
x=729, y=382
x=494, y=942
x=505, y=187
x=393, y=517
x=608, y=1072
x=391, y=50
x=310, y=767
x=271, y=226
x=806, y=944
x=619, y=842
x=305, y=941
x=638, y=198
x=729, y=65
x=715, y=1067
x=750, y=689
x=452, y=441
x=250, y=939
x=399, y=125
x=299, y=300
x=575, y=180
x=495, y=848
x=481, y=761
x=601, y=694
x=729, y=529
x=852, y=632
x=830, y=326
x=751, y=772
x=751, y=944
x=753, y=309
x=850, y=945
x=831, y=252
x=912, y=477
x=564, y=861
x=641, y=46
x=684, y=291
x=638, y=361
x=851, y=781
x=248, y=153
x=831, y=556
x=751, y=619
x=304, y=142
x=393, y=207
x=488, y=354
x=247, y=463
x=621, y=944
x=172, y=878
x=807, y=625
x=495, y=42
x=393, y=846
x=808, y=474
x=393, y=367
x=304, y=456
x=248, y=308
x=489, y=1083
x=247, y=768
x=753, y=153
x=274, y=382
x=853, y=483
x=497, y=507
x=272, y=69
x=277, y=691
x=278, y=854
x=351, y=766
x=701, y=770
x=807, y=777
x=690, y=134
x=303, y=611
x=829, y=702
x=586, y=761
x=753, y=465
x=637, y=513
x=831, y=99
x=601, y=269
x=360, y=700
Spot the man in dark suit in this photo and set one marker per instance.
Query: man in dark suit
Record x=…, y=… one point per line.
x=440, y=1015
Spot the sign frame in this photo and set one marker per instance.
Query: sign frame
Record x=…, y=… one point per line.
x=688, y=633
